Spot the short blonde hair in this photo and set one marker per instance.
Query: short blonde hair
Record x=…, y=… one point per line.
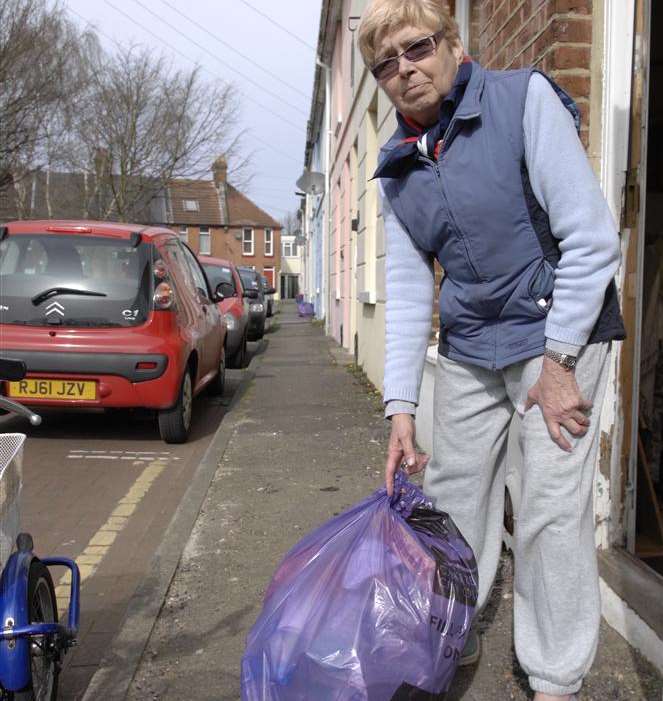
x=384, y=16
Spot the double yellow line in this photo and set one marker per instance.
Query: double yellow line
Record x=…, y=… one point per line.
x=100, y=543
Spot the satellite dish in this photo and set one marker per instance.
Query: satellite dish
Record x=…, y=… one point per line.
x=312, y=183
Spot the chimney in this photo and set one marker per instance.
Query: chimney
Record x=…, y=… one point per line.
x=220, y=172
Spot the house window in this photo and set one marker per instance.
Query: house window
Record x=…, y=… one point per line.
x=247, y=242
x=184, y=234
x=269, y=242
x=205, y=242
x=289, y=249
x=190, y=205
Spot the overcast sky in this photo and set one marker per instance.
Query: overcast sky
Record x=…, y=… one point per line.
x=279, y=128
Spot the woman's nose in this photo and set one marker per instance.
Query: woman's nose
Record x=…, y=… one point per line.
x=405, y=67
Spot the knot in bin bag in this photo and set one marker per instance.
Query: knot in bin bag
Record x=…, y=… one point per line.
x=375, y=605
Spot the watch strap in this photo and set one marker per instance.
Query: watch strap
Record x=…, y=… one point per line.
x=566, y=360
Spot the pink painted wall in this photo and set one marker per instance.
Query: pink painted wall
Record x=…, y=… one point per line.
x=341, y=253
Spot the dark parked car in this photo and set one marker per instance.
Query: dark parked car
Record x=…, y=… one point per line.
x=226, y=282
x=257, y=307
x=269, y=298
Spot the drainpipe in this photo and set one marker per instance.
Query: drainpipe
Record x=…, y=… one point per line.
x=326, y=230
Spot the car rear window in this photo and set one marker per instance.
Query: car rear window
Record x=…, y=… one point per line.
x=216, y=274
x=86, y=281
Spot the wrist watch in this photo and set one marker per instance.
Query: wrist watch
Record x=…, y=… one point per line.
x=568, y=362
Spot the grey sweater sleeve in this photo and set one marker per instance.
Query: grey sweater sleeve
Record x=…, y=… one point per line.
x=409, y=308
x=565, y=186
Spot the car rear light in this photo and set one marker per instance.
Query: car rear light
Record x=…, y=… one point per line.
x=164, y=296
x=146, y=366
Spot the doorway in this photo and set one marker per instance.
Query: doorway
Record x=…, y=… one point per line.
x=649, y=488
x=289, y=286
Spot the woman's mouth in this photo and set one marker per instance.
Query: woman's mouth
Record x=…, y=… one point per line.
x=414, y=87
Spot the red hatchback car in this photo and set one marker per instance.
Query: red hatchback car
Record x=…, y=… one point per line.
x=109, y=316
x=234, y=305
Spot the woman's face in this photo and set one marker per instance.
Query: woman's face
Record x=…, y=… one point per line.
x=418, y=89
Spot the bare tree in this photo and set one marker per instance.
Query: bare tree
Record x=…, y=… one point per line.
x=39, y=54
x=143, y=124
x=291, y=222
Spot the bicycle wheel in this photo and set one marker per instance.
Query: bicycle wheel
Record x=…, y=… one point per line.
x=44, y=663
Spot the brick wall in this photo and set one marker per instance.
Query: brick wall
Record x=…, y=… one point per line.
x=228, y=244
x=554, y=35
x=233, y=250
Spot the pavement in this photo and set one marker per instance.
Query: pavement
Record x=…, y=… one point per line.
x=304, y=440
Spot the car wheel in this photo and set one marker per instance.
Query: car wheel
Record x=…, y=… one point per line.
x=238, y=358
x=218, y=384
x=261, y=331
x=175, y=423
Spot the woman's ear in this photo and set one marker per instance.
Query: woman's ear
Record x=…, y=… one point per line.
x=458, y=51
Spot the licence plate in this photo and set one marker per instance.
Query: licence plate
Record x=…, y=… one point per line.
x=53, y=389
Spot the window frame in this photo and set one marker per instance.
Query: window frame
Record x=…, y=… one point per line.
x=183, y=234
x=269, y=231
x=194, y=208
x=208, y=238
x=252, y=240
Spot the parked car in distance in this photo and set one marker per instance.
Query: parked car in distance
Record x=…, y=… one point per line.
x=226, y=282
x=109, y=316
x=257, y=307
x=269, y=296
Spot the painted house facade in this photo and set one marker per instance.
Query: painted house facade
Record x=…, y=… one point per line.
x=608, y=55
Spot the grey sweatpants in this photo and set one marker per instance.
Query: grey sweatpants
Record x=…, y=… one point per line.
x=556, y=592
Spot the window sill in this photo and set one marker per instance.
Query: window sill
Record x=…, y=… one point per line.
x=638, y=585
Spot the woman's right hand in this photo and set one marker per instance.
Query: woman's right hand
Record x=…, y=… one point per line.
x=402, y=451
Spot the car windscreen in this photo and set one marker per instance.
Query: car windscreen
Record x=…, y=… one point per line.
x=249, y=279
x=84, y=281
x=216, y=274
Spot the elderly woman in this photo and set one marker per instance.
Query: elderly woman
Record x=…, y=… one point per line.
x=486, y=173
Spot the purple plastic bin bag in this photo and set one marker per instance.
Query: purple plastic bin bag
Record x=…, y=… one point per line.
x=375, y=605
x=305, y=309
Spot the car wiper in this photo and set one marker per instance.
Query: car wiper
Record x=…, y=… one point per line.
x=55, y=291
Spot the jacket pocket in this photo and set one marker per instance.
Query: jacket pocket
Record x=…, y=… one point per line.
x=540, y=287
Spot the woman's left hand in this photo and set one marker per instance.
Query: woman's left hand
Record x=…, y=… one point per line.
x=557, y=394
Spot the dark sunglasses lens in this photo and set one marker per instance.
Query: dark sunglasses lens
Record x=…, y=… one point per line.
x=386, y=69
x=419, y=50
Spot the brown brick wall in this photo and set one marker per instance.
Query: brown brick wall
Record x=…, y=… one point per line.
x=226, y=245
x=554, y=35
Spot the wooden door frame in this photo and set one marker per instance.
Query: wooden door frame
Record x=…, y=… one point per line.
x=633, y=224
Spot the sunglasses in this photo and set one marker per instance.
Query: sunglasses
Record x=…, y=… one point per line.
x=387, y=69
